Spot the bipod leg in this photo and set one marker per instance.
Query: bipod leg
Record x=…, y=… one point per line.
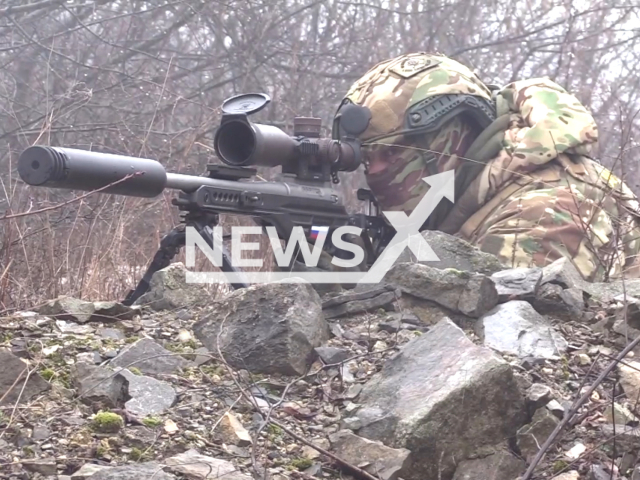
x=206, y=233
x=169, y=247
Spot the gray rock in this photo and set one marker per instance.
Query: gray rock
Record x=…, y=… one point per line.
x=627, y=462
x=150, y=358
x=529, y=362
x=538, y=396
x=112, y=312
x=557, y=302
x=407, y=318
x=15, y=370
x=43, y=466
x=562, y=272
x=616, y=413
x=607, y=292
x=629, y=308
x=454, y=252
x=68, y=308
x=268, y=328
x=391, y=326
x=516, y=328
x=201, y=356
x=396, y=324
x=97, y=384
x=373, y=457
x=73, y=328
x=627, y=437
x=428, y=312
x=40, y=432
x=629, y=373
x=501, y=465
x=573, y=298
x=625, y=329
x=111, y=333
x=636, y=473
x=570, y=475
x=89, y=357
x=333, y=355
x=168, y=290
x=87, y=471
x=196, y=466
x=517, y=283
x=139, y=436
x=350, y=303
x=136, y=471
x=555, y=408
x=148, y=396
x=532, y=436
x=468, y=293
x=231, y=431
x=598, y=472
x=442, y=397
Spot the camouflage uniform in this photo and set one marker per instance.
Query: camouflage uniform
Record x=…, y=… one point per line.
x=527, y=190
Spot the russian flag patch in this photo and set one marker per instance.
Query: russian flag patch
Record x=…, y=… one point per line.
x=315, y=231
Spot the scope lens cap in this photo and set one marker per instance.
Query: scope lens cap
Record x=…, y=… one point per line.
x=246, y=103
x=354, y=119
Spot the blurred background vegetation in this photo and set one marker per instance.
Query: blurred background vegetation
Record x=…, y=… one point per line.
x=147, y=78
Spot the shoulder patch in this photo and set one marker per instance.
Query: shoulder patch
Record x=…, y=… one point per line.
x=407, y=67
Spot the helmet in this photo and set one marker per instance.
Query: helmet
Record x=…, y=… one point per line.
x=418, y=93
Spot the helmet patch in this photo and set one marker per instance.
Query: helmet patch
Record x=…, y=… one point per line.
x=409, y=66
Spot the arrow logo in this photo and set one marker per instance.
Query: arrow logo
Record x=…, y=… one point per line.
x=408, y=227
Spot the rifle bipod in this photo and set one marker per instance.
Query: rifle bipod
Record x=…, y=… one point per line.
x=170, y=245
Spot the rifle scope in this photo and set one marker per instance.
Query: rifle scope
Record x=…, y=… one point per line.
x=241, y=143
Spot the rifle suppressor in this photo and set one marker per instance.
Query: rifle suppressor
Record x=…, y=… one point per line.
x=73, y=169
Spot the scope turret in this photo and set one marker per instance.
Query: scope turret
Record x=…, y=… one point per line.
x=68, y=168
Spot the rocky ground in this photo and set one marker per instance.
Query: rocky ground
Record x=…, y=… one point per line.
x=459, y=370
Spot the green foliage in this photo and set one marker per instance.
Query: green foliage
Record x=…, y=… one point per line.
x=28, y=451
x=301, y=463
x=47, y=374
x=559, y=465
x=103, y=449
x=135, y=371
x=274, y=429
x=136, y=454
x=213, y=370
x=107, y=422
x=152, y=422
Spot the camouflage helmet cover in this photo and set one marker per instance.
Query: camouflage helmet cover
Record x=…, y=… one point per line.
x=400, y=92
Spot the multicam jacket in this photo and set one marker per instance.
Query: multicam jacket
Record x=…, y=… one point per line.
x=542, y=197
x=537, y=198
